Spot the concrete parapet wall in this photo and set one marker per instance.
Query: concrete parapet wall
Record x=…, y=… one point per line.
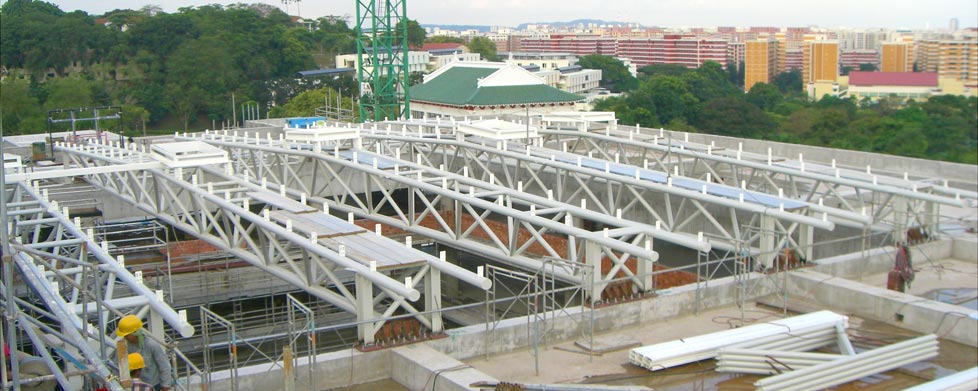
x=332, y=370
x=960, y=175
x=421, y=368
x=896, y=308
x=879, y=260
x=965, y=248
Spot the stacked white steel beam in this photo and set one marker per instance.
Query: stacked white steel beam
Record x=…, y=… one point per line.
x=804, y=332
x=849, y=368
x=965, y=380
x=768, y=362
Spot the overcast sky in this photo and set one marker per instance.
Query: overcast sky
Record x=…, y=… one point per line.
x=914, y=14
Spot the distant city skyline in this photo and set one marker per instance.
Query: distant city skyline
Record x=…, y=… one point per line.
x=892, y=14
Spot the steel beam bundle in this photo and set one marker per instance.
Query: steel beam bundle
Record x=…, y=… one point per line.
x=767, y=362
x=849, y=368
x=802, y=332
x=965, y=380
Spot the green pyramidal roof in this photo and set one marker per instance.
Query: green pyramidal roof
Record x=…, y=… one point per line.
x=458, y=86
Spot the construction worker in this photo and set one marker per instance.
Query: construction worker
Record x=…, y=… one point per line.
x=156, y=369
x=136, y=365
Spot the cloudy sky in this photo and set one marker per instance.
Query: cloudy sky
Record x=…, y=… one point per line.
x=666, y=13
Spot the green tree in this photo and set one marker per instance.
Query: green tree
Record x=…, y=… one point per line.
x=709, y=82
x=21, y=110
x=670, y=97
x=614, y=75
x=134, y=118
x=415, y=33
x=68, y=93
x=764, y=96
x=306, y=103
x=483, y=46
x=191, y=87
x=789, y=82
x=663, y=70
x=730, y=116
x=735, y=74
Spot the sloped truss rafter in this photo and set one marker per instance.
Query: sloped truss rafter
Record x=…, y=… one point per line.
x=483, y=217
x=890, y=203
x=216, y=207
x=610, y=187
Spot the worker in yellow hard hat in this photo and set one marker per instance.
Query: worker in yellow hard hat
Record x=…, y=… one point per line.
x=136, y=365
x=156, y=367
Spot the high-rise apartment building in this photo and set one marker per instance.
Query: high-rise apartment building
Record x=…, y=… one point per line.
x=580, y=45
x=689, y=52
x=761, y=62
x=957, y=59
x=736, y=53
x=682, y=50
x=821, y=61
x=896, y=57
x=856, y=58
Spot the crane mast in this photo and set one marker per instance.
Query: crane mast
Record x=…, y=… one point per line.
x=382, y=59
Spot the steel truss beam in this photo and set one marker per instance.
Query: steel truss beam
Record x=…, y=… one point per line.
x=215, y=207
x=672, y=208
x=460, y=210
x=892, y=203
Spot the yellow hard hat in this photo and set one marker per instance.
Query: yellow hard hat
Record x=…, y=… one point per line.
x=128, y=325
x=136, y=361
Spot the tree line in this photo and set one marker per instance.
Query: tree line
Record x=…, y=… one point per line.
x=710, y=99
x=165, y=69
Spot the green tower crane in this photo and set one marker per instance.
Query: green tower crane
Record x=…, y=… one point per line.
x=382, y=59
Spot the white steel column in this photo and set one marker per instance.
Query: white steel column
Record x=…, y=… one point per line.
x=592, y=257
x=365, y=309
x=767, y=241
x=900, y=209
x=806, y=241
x=432, y=299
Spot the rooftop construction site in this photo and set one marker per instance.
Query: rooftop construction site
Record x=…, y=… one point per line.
x=480, y=233
x=337, y=254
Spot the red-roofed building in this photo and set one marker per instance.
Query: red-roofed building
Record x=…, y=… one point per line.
x=901, y=85
x=429, y=46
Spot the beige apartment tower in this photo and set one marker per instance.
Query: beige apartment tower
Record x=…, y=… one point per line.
x=821, y=61
x=760, y=62
x=896, y=57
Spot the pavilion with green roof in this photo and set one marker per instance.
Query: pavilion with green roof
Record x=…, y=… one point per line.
x=487, y=88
